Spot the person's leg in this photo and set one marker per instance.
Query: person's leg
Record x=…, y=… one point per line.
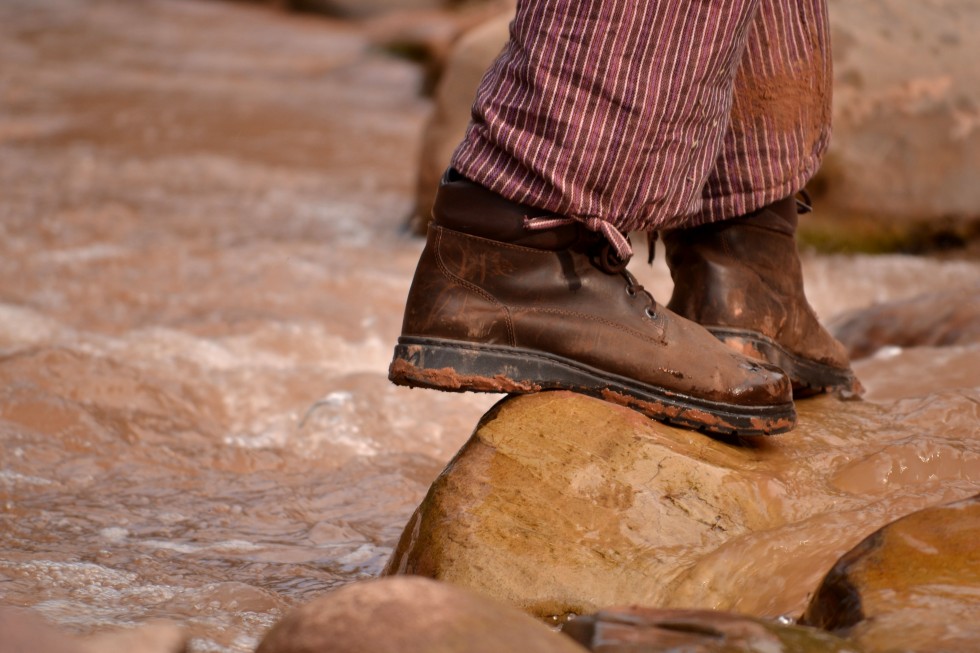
x=614, y=109
x=600, y=116
x=739, y=274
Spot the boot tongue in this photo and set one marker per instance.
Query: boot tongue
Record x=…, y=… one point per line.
x=462, y=205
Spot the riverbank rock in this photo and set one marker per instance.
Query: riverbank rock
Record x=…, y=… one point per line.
x=906, y=124
x=650, y=630
x=410, y=615
x=468, y=60
x=913, y=585
x=563, y=504
x=938, y=319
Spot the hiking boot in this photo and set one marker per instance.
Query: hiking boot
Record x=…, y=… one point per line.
x=742, y=280
x=499, y=306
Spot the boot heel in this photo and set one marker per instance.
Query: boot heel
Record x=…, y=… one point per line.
x=457, y=367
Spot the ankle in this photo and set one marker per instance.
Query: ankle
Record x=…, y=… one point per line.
x=465, y=206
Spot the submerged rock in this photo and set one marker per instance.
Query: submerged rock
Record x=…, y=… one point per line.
x=649, y=630
x=938, y=319
x=410, y=615
x=914, y=585
x=563, y=504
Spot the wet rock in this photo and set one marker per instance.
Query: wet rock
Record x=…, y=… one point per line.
x=23, y=630
x=562, y=504
x=468, y=60
x=906, y=121
x=913, y=585
x=650, y=630
x=937, y=319
x=410, y=615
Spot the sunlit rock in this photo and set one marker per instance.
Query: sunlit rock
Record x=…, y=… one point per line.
x=906, y=117
x=937, y=319
x=649, y=630
x=561, y=503
x=466, y=64
x=410, y=615
x=914, y=585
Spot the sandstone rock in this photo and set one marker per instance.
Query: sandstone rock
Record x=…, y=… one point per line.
x=469, y=59
x=906, y=115
x=914, y=585
x=649, y=630
x=935, y=319
x=561, y=504
x=410, y=615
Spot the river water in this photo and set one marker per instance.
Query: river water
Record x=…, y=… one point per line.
x=202, y=271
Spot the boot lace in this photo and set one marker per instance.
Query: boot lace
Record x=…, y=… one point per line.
x=612, y=257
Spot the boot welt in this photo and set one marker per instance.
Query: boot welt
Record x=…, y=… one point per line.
x=470, y=367
x=809, y=377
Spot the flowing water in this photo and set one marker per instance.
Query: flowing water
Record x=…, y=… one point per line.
x=202, y=271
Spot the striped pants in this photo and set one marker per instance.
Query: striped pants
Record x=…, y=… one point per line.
x=653, y=114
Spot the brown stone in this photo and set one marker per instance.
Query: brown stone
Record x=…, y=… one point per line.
x=650, y=630
x=562, y=504
x=906, y=119
x=937, y=319
x=913, y=585
x=23, y=631
x=410, y=615
x=466, y=64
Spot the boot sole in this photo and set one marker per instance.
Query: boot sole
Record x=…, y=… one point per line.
x=808, y=377
x=465, y=367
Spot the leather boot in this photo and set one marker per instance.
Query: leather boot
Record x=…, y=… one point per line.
x=497, y=307
x=742, y=280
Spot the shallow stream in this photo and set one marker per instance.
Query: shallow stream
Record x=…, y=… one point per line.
x=202, y=272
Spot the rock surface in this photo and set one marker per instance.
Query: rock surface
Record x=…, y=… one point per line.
x=410, y=615
x=649, y=630
x=22, y=631
x=914, y=585
x=468, y=60
x=561, y=504
x=938, y=319
x=906, y=114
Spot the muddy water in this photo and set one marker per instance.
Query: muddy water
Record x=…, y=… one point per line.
x=201, y=277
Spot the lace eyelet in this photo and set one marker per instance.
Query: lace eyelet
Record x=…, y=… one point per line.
x=631, y=291
x=650, y=313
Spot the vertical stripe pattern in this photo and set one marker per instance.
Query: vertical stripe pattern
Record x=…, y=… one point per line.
x=652, y=114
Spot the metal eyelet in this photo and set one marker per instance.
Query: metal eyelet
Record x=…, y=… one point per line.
x=631, y=291
x=650, y=313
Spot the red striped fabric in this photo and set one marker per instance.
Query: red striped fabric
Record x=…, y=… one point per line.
x=653, y=114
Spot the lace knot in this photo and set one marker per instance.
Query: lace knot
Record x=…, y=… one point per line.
x=620, y=243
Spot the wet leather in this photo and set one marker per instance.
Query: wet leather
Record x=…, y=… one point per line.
x=745, y=273
x=475, y=289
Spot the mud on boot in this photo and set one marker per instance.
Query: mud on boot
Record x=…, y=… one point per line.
x=742, y=280
x=498, y=306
